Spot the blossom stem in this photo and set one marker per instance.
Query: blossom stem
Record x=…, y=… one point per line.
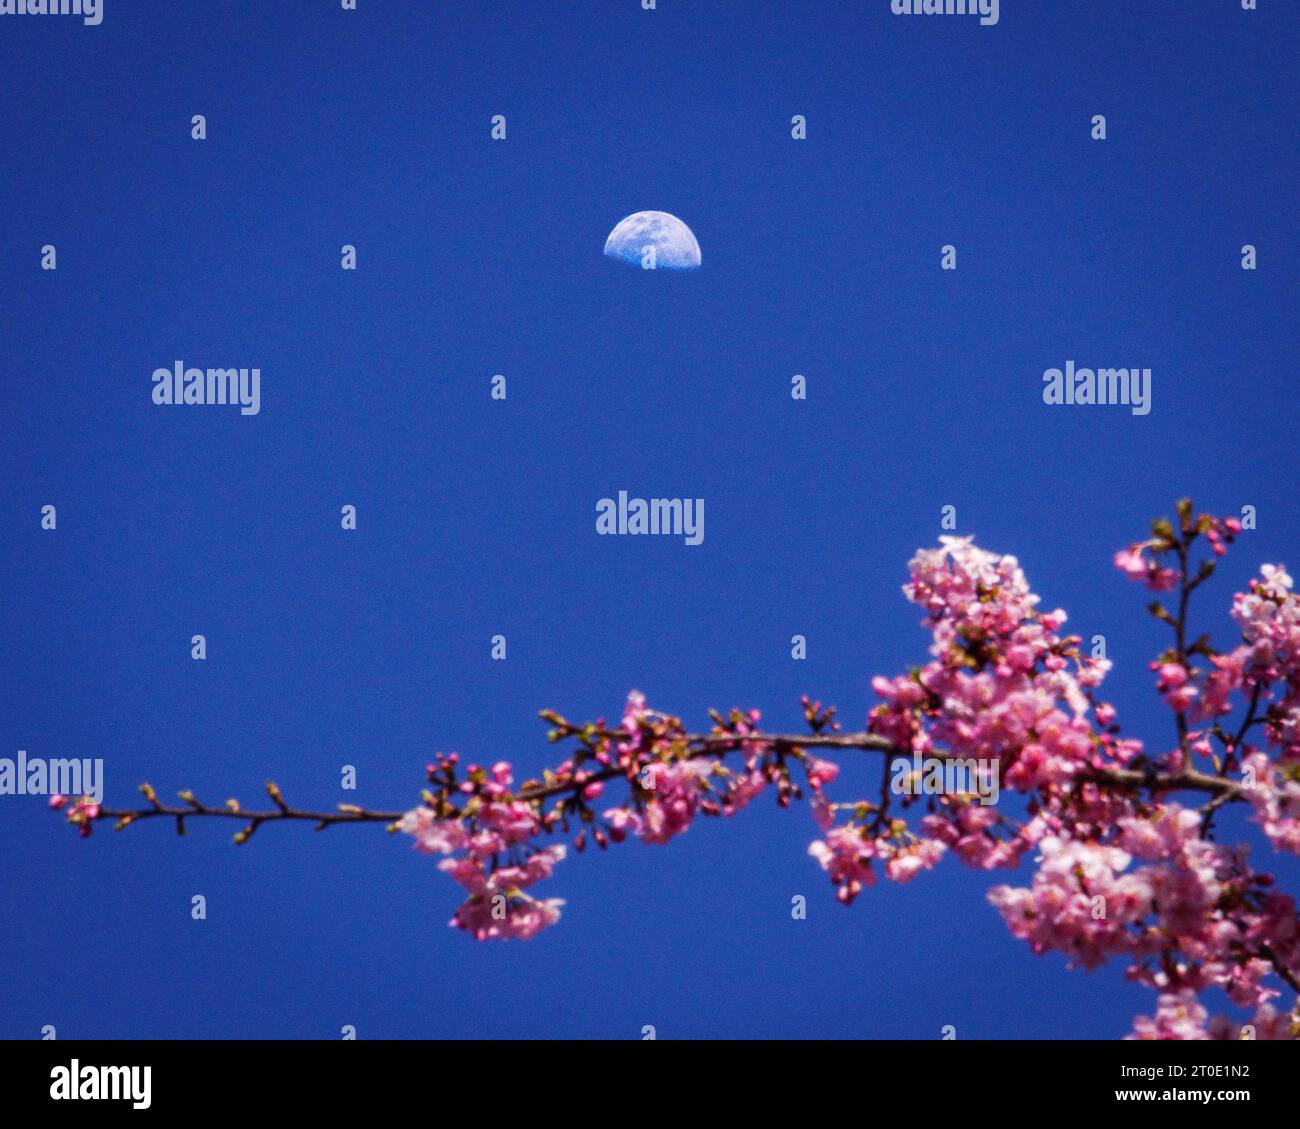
x=699, y=744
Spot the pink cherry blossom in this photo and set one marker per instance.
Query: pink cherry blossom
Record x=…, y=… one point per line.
x=433, y=836
x=1179, y=1015
x=846, y=857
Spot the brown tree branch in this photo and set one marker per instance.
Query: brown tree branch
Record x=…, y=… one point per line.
x=698, y=744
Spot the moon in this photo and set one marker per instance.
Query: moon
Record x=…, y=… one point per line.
x=676, y=247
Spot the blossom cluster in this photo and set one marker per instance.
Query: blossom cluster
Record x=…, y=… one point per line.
x=1120, y=874
x=492, y=825
x=489, y=832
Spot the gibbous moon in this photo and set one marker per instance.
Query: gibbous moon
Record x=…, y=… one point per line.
x=675, y=245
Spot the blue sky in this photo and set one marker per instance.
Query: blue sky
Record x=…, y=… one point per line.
x=476, y=517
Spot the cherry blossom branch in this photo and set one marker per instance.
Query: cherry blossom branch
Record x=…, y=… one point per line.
x=698, y=744
x=194, y=809
x=1123, y=869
